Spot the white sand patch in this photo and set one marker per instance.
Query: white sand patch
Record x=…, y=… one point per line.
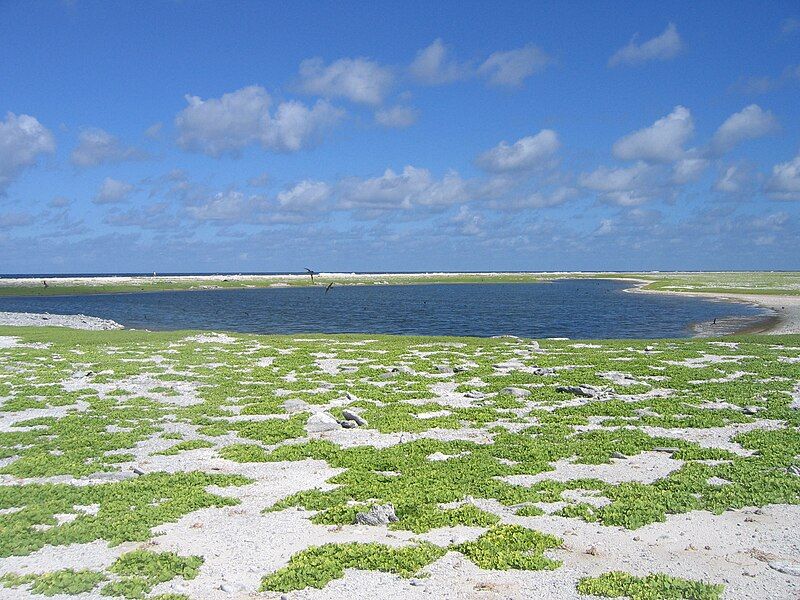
x=212, y=338
x=715, y=437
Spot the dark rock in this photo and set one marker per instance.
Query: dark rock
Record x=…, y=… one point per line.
x=354, y=417
x=377, y=515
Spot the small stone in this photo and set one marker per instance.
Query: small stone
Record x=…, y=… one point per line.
x=586, y=391
x=377, y=515
x=354, y=417
x=516, y=392
x=787, y=568
x=321, y=421
x=348, y=424
x=444, y=369
x=293, y=405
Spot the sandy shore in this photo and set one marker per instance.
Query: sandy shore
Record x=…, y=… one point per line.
x=48, y=320
x=782, y=316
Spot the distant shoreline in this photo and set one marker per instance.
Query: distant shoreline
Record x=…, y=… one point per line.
x=783, y=316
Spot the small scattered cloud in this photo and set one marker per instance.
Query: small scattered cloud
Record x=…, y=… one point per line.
x=662, y=47
x=59, y=202
x=356, y=79
x=10, y=220
x=113, y=190
x=260, y=180
x=628, y=186
x=468, y=222
x=435, y=65
x=750, y=123
x=687, y=170
x=513, y=67
x=154, y=131
x=530, y=152
x=732, y=180
x=396, y=116
x=305, y=196
x=228, y=124
x=537, y=199
x=764, y=84
x=230, y=206
x=661, y=142
x=22, y=140
x=97, y=147
x=790, y=25
x=784, y=184
x=402, y=191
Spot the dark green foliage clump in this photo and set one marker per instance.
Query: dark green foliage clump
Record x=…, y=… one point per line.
x=66, y=581
x=318, y=565
x=656, y=586
x=511, y=547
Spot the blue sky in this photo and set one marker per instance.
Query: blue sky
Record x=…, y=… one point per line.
x=254, y=136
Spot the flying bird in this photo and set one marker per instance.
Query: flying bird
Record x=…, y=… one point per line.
x=328, y=289
x=312, y=273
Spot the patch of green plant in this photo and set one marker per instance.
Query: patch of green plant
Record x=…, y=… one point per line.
x=128, y=509
x=65, y=581
x=511, y=547
x=184, y=446
x=319, y=565
x=656, y=586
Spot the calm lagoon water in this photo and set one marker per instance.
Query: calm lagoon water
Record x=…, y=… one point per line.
x=589, y=309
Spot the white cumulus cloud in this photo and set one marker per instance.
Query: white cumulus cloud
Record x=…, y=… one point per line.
x=223, y=206
x=96, y=146
x=435, y=65
x=662, y=47
x=396, y=116
x=527, y=153
x=306, y=195
x=661, y=142
x=392, y=191
x=242, y=118
x=688, y=169
x=750, y=123
x=22, y=139
x=511, y=68
x=732, y=180
x=784, y=184
x=628, y=186
x=357, y=79
x=113, y=190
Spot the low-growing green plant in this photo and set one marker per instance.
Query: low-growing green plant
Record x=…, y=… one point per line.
x=656, y=586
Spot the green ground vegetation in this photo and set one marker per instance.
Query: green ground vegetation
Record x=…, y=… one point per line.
x=454, y=446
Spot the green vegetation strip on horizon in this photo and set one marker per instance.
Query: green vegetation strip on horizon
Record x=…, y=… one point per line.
x=755, y=282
